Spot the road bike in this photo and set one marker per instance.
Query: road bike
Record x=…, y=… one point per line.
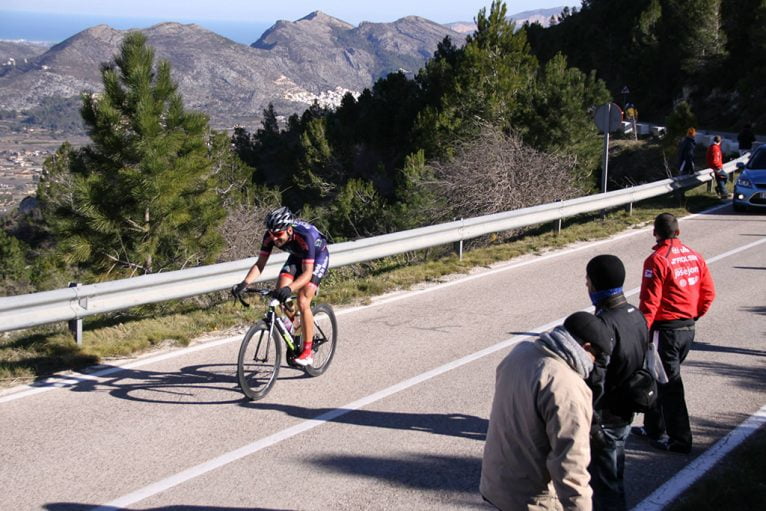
x=260, y=354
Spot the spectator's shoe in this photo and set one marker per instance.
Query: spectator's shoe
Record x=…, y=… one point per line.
x=641, y=432
x=305, y=358
x=672, y=446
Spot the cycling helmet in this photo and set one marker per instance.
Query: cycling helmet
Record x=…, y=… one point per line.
x=279, y=219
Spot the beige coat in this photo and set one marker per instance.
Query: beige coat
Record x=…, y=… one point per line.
x=537, y=451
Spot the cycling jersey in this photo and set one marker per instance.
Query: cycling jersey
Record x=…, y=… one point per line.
x=306, y=242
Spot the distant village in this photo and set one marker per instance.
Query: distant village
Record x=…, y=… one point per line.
x=20, y=171
x=22, y=154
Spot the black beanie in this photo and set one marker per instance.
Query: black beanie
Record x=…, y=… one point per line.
x=605, y=272
x=585, y=327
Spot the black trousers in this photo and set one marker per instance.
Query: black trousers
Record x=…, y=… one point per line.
x=670, y=415
x=607, y=468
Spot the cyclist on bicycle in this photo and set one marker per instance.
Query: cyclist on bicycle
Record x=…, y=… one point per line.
x=302, y=272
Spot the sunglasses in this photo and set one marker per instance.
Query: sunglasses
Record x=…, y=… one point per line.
x=277, y=234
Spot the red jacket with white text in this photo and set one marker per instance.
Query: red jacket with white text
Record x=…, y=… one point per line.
x=676, y=284
x=714, y=156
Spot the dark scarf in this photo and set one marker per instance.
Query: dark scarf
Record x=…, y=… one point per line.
x=562, y=344
x=596, y=297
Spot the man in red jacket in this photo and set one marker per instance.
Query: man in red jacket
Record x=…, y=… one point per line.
x=715, y=162
x=676, y=289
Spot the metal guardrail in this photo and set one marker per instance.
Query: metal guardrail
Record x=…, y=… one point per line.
x=77, y=302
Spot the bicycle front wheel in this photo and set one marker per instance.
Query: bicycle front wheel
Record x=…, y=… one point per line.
x=325, y=339
x=258, y=363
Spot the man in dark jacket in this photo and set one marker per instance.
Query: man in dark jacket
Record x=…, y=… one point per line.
x=686, y=153
x=611, y=414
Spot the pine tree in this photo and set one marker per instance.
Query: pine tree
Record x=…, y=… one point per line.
x=140, y=197
x=496, y=65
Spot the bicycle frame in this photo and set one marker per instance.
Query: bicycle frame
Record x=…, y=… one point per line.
x=273, y=320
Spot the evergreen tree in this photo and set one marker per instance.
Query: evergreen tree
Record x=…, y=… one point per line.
x=677, y=123
x=232, y=177
x=12, y=256
x=495, y=66
x=554, y=115
x=140, y=197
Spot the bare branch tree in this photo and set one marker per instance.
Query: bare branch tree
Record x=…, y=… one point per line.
x=242, y=230
x=497, y=172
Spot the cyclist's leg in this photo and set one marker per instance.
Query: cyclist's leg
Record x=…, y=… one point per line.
x=305, y=297
x=289, y=271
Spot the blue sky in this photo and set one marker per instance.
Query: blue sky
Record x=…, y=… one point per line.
x=268, y=11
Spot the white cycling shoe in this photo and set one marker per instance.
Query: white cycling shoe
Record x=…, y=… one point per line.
x=304, y=361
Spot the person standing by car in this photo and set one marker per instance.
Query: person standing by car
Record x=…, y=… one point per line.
x=686, y=153
x=612, y=415
x=745, y=139
x=715, y=162
x=537, y=453
x=676, y=290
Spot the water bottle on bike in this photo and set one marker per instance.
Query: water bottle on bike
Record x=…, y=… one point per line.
x=292, y=319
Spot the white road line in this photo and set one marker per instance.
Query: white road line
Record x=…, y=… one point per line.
x=669, y=491
x=68, y=381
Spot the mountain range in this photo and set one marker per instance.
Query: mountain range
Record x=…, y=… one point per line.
x=292, y=64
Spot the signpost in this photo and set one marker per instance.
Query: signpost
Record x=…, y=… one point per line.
x=608, y=118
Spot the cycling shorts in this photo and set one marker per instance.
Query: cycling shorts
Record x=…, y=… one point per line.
x=294, y=267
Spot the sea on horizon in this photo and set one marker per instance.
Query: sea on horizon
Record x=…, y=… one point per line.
x=54, y=28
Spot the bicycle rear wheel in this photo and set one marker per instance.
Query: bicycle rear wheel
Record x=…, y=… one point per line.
x=325, y=339
x=258, y=363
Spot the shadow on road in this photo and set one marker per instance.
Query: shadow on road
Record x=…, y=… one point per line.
x=420, y=472
x=705, y=346
x=752, y=378
x=448, y=424
x=758, y=309
x=180, y=388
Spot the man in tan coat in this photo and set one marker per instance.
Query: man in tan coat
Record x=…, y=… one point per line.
x=537, y=451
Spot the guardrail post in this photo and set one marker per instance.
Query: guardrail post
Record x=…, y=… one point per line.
x=629, y=209
x=75, y=325
x=458, y=246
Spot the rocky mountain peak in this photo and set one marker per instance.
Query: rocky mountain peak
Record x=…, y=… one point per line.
x=326, y=19
x=100, y=33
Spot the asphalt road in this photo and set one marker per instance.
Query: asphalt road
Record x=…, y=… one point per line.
x=397, y=422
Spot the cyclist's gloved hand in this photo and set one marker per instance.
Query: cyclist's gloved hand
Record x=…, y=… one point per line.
x=236, y=289
x=283, y=293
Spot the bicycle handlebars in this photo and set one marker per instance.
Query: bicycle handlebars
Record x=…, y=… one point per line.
x=262, y=292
